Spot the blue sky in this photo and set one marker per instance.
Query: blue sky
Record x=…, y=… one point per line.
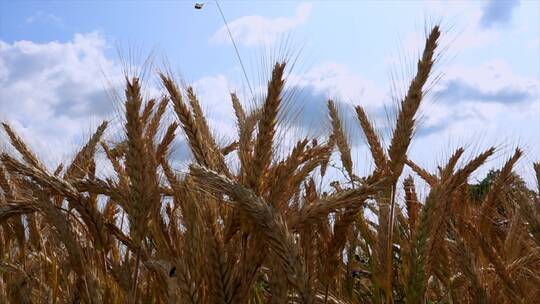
x=58, y=61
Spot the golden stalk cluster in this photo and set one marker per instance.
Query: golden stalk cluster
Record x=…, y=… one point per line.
x=245, y=225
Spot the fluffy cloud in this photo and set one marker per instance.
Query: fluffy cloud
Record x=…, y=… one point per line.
x=214, y=95
x=477, y=126
x=498, y=12
x=464, y=18
x=458, y=91
x=482, y=98
x=41, y=17
x=335, y=80
x=476, y=107
x=493, y=81
x=254, y=30
x=54, y=92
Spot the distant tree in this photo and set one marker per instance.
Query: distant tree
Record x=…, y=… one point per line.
x=479, y=190
x=514, y=188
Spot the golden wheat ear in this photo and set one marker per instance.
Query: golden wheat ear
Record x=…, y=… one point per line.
x=412, y=203
x=374, y=143
x=498, y=186
x=22, y=148
x=404, y=128
x=238, y=110
x=267, y=127
x=155, y=121
x=270, y=223
x=8, y=210
x=214, y=152
x=141, y=168
x=83, y=159
x=189, y=125
x=341, y=139
x=424, y=174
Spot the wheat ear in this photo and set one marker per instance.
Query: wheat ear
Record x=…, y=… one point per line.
x=372, y=139
x=25, y=151
x=341, y=138
x=267, y=127
x=82, y=160
x=269, y=222
x=189, y=125
x=403, y=131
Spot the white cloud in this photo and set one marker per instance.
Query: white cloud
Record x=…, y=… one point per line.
x=41, y=17
x=477, y=126
x=481, y=98
x=483, y=118
x=53, y=93
x=498, y=12
x=335, y=80
x=214, y=94
x=254, y=30
x=492, y=76
x=460, y=25
x=214, y=91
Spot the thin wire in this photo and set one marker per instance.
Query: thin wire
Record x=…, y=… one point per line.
x=235, y=49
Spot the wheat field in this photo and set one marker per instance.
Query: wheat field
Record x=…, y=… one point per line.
x=246, y=225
